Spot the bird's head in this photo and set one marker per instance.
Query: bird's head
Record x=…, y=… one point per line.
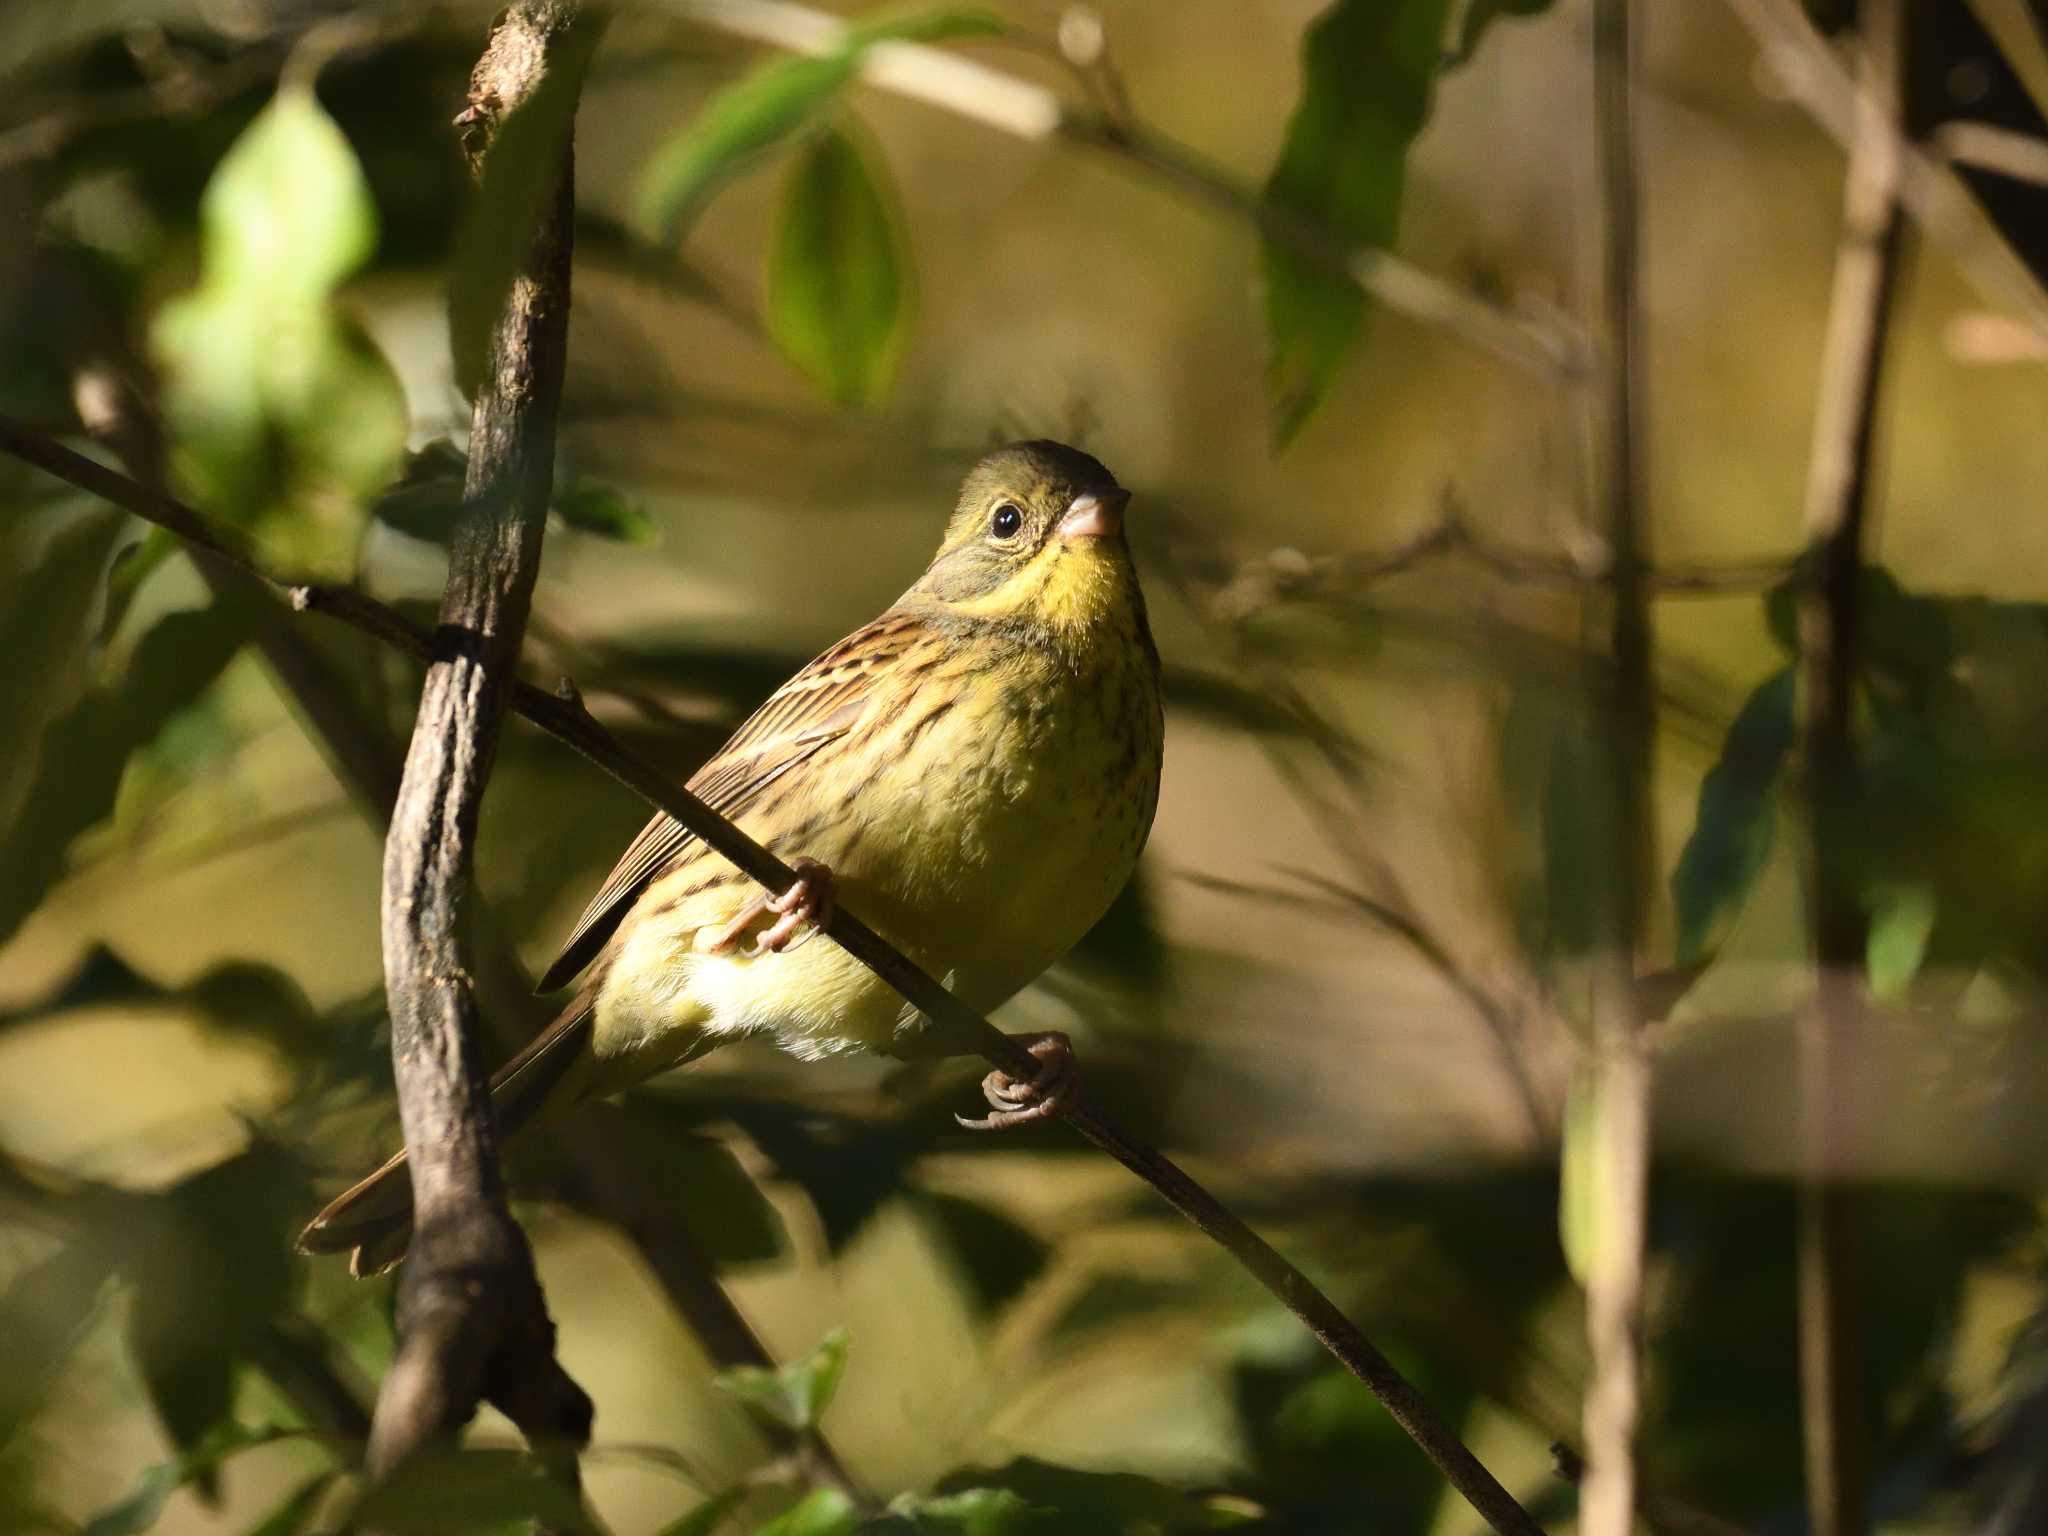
x=1037, y=539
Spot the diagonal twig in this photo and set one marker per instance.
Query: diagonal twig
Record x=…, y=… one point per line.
x=567, y=720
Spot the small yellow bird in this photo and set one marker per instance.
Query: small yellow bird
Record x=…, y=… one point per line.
x=973, y=774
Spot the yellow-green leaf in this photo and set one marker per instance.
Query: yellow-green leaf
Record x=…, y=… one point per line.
x=837, y=300
x=1367, y=70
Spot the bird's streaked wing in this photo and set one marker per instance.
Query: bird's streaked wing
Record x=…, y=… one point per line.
x=816, y=707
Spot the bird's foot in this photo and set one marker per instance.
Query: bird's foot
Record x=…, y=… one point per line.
x=808, y=900
x=1019, y=1101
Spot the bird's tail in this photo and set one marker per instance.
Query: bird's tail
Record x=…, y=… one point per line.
x=372, y=1219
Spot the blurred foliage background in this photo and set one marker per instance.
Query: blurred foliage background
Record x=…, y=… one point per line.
x=1349, y=986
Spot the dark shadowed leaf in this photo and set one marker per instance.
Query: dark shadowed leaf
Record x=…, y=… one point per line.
x=1077, y=1503
x=1481, y=15
x=200, y=1465
x=796, y=1395
x=423, y=504
x=44, y=1315
x=238, y=996
x=209, y=1263
x=296, y=1508
x=85, y=750
x=1731, y=835
x=727, y=1217
x=1367, y=70
x=765, y=108
x=454, y=1492
x=837, y=300
x=828, y=1512
x=604, y=511
x=997, y=1258
x=1722, y=1420
x=45, y=624
x=520, y=174
x=708, y=1516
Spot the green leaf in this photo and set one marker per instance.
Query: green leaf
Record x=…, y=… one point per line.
x=604, y=511
x=428, y=493
x=765, y=108
x=1367, y=70
x=284, y=418
x=139, y=1510
x=1482, y=14
x=708, y=1516
x=828, y=1512
x=451, y=1492
x=837, y=304
x=797, y=1395
x=1901, y=923
x=996, y=1256
x=1731, y=836
x=85, y=750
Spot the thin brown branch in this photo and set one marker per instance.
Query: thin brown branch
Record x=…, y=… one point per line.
x=473, y=1322
x=569, y=722
x=1620, y=1139
x=1838, y=496
x=1928, y=190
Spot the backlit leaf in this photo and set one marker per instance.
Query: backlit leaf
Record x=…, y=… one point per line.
x=837, y=304
x=283, y=416
x=1367, y=70
x=1901, y=923
x=795, y=1395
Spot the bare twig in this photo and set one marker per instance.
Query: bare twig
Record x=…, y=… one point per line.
x=1620, y=1141
x=1252, y=584
x=1927, y=189
x=569, y=722
x=973, y=90
x=473, y=1322
x=1838, y=495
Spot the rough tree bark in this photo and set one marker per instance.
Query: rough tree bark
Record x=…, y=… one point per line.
x=473, y=1321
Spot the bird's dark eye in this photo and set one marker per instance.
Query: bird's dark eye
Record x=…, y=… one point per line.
x=1005, y=521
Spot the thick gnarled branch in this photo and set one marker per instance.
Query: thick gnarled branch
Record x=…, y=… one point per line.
x=473, y=1322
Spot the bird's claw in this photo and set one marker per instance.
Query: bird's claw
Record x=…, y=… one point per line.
x=809, y=899
x=1052, y=1090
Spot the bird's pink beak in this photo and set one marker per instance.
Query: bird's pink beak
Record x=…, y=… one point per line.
x=1095, y=514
